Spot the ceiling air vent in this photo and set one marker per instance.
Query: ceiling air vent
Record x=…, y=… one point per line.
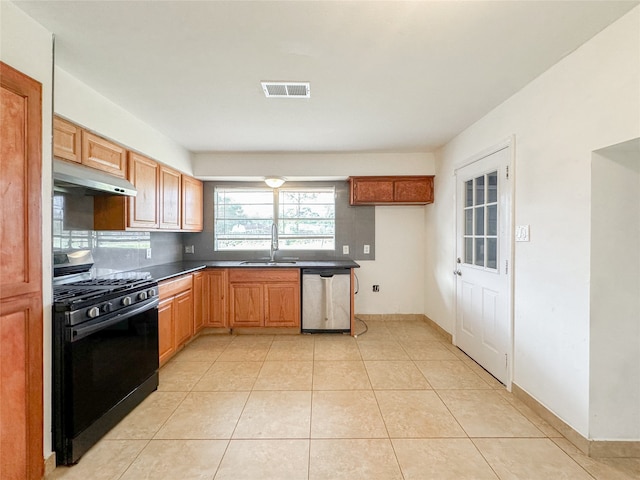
x=286, y=89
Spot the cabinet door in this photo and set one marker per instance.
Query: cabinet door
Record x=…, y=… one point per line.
x=371, y=191
x=282, y=305
x=67, y=140
x=20, y=276
x=103, y=154
x=414, y=190
x=246, y=305
x=198, y=301
x=144, y=173
x=166, y=329
x=170, y=189
x=184, y=317
x=217, y=298
x=191, y=204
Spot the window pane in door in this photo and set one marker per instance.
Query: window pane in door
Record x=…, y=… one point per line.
x=468, y=250
x=479, y=251
x=468, y=193
x=492, y=187
x=468, y=222
x=492, y=220
x=479, y=190
x=492, y=253
x=479, y=213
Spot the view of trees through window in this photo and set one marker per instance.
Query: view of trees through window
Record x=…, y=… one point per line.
x=305, y=218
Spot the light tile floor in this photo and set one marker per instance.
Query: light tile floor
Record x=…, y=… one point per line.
x=398, y=402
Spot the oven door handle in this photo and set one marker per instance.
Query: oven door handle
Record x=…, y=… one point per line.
x=78, y=333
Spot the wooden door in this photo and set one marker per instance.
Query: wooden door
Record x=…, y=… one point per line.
x=184, y=317
x=217, y=298
x=67, y=141
x=166, y=329
x=103, y=155
x=21, y=410
x=144, y=173
x=170, y=196
x=246, y=304
x=282, y=305
x=191, y=204
x=483, y=283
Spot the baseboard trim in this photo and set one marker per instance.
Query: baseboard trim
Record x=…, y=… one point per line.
x=592, y=448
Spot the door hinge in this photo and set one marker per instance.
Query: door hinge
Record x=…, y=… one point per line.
x=506, y=267
x=506, y=363
x=507, y=172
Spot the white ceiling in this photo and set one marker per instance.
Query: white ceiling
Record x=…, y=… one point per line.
x=385, y=76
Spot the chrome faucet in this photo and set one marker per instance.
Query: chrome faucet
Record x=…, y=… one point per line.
x=274, y=242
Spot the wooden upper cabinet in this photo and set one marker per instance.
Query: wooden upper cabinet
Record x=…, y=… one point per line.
x=401, y=190
x=103, y=155
x=170, y=196
x=144, y=173
x=67, y=140
x=192, y=205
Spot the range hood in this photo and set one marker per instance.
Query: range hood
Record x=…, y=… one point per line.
x=73, y=178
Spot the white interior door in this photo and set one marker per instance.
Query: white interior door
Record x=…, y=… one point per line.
x=483, y=286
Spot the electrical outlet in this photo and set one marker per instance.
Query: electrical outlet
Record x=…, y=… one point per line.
x=189, y=249
x=367, y=250
x=376, y=288
x=522, y=233
x=345, y=249
x=148, y=255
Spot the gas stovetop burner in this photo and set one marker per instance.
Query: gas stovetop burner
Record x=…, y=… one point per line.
x=88, y=299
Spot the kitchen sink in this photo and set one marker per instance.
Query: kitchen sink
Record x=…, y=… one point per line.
x=267, y=262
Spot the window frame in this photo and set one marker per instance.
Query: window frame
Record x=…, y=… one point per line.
x=276, y=217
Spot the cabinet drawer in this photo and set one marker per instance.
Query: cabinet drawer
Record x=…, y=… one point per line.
x=264, y=275
x=170, y=288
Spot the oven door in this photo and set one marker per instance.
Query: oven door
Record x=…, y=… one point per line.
x=105, y=362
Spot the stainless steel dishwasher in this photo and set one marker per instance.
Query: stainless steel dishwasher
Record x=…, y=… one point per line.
x=326, y=300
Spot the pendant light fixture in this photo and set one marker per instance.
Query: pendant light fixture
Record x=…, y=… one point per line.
x=274, y=182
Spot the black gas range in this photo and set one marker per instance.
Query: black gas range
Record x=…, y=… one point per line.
x=105, y=352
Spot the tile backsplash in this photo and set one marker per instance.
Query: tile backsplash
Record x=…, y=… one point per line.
x=112, y=251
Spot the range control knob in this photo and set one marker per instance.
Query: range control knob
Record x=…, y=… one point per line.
x=142, y=296
x=93, y=312
x=152, y=292
x=126, y=301
x=107, y=307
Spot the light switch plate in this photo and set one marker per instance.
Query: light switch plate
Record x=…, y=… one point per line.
x=522, y=233
x=148, y=255
x=345, y=249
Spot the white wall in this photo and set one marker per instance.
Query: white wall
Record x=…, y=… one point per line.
x=587, y=101
x=27, y=47
x=255, y=166
x=79, y=103
x=399, y=264
x=615, y=293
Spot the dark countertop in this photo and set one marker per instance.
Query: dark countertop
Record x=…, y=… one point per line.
x=170, y=270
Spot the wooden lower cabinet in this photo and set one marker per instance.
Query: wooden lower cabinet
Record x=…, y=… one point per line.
x=247, y=304
x=215, y=309
x=166, y=329
x=282, y=305
x=198, y=301
x=175, y=315
x=184, y=317
x=264, y=297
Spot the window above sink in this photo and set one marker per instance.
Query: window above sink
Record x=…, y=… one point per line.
x=305, y=216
